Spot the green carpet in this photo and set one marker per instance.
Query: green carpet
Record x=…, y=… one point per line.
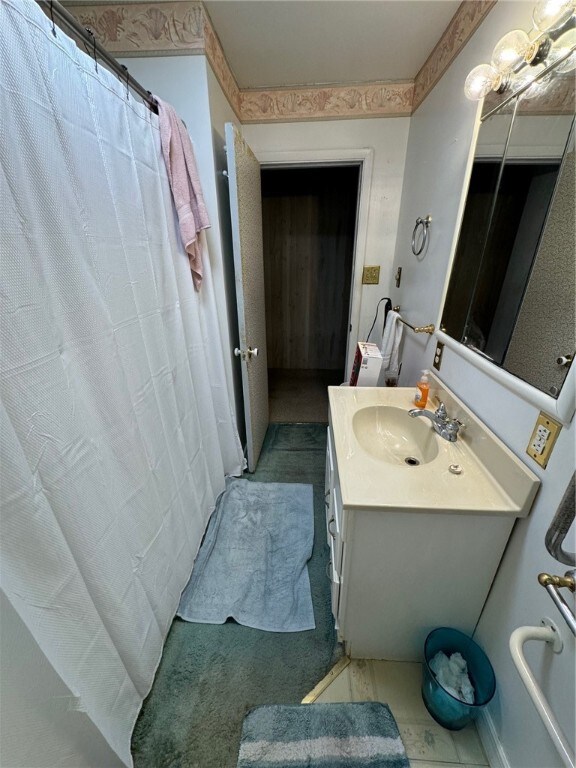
x=211, y=675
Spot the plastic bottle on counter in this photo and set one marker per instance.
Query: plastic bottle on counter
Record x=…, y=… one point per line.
x=422, y=390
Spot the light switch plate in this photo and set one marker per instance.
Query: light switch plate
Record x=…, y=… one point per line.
x=542, y=440
x=370, y=275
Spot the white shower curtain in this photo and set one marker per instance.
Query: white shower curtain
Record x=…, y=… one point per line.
x=116, y=424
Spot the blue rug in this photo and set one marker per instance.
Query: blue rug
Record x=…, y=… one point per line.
x=348, y=735
x=252, y=563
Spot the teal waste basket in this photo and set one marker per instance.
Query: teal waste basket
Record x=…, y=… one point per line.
x=446, y=709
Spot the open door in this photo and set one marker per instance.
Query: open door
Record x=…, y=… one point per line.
x=246, y=215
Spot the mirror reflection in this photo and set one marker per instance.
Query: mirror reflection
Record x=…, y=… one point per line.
x=511, y=291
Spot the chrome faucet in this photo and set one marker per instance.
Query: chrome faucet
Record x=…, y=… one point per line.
x=443, y=425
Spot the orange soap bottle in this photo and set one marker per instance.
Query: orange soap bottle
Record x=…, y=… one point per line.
x=422, y=390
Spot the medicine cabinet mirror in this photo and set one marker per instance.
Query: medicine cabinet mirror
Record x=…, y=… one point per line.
x=510, y=297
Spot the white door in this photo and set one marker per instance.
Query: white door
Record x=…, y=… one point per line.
x=246, y=214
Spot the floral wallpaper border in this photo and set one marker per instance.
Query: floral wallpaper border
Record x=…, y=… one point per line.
x=462, y=26
x=138, y=29
x=184, y=27
x=327, y=102
x=220, y=67
x=160, y=29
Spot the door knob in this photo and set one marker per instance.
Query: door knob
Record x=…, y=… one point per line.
x=246, y=354
x=564, y=360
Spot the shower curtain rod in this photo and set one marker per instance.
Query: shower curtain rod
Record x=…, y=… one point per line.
x=55, y=9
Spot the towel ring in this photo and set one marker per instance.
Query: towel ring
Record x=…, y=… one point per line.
x=425, y=224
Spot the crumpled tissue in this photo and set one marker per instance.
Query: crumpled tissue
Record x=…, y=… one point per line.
x=452, y=674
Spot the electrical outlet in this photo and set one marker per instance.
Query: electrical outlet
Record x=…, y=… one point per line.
x=371, y=275
x=543, y=438
x=438, y=355
x=539, y=442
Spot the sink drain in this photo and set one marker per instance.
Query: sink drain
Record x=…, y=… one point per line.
x=411, y=461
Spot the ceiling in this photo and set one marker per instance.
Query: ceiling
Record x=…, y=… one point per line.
x=272, y=43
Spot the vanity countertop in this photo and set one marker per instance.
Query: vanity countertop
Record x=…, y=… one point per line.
x=493, y=481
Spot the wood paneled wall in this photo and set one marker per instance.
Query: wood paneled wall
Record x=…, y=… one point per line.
x=309, y=222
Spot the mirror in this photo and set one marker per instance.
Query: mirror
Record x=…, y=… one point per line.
x=511, y=293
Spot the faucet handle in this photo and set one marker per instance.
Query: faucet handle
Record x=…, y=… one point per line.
x=452, y=427
x=441, y=411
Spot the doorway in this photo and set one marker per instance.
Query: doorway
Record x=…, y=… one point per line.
x=309, y=217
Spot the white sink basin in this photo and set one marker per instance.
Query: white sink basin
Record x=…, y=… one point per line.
x=374, y=437
x=389, y=434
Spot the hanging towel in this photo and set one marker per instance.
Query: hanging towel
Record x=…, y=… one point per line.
x=391, y=339
x=185, y=185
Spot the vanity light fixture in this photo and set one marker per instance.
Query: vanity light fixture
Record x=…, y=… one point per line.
x=520, y=57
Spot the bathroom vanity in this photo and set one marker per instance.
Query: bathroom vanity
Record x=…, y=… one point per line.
x=416, y=524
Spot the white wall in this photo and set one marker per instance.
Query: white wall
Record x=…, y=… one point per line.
x=387, y=138
x=441, y=132
x=220, y=110
x=183, y=81
x=35, y=735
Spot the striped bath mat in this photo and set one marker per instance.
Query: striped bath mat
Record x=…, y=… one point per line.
x=348, y=735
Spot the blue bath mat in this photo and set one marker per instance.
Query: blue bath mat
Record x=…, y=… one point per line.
x=252, y=563
x=348, y=735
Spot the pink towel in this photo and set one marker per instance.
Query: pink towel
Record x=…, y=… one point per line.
x=185, y=185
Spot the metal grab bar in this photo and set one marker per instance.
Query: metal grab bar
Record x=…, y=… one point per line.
x=561, y=524
x=554, y=583
x=548, y=634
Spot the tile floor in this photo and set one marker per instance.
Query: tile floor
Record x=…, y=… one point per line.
x=397, y=684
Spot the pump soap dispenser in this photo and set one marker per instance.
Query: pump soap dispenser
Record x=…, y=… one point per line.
x=422, y=390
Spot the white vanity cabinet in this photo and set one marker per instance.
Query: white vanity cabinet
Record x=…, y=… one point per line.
x=399, y=570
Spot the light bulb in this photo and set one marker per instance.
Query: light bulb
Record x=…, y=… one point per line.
x=481, y=80
x=552, y=14
x=561, y=48
x=510, y=52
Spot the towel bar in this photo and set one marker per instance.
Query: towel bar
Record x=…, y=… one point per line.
x=552, y=585
x=416, y=328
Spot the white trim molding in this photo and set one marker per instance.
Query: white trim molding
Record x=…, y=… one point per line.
x=489, y=737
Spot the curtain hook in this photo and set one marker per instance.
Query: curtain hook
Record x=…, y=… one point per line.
x=94, y=53
x=52, y=17
x=125, y=68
